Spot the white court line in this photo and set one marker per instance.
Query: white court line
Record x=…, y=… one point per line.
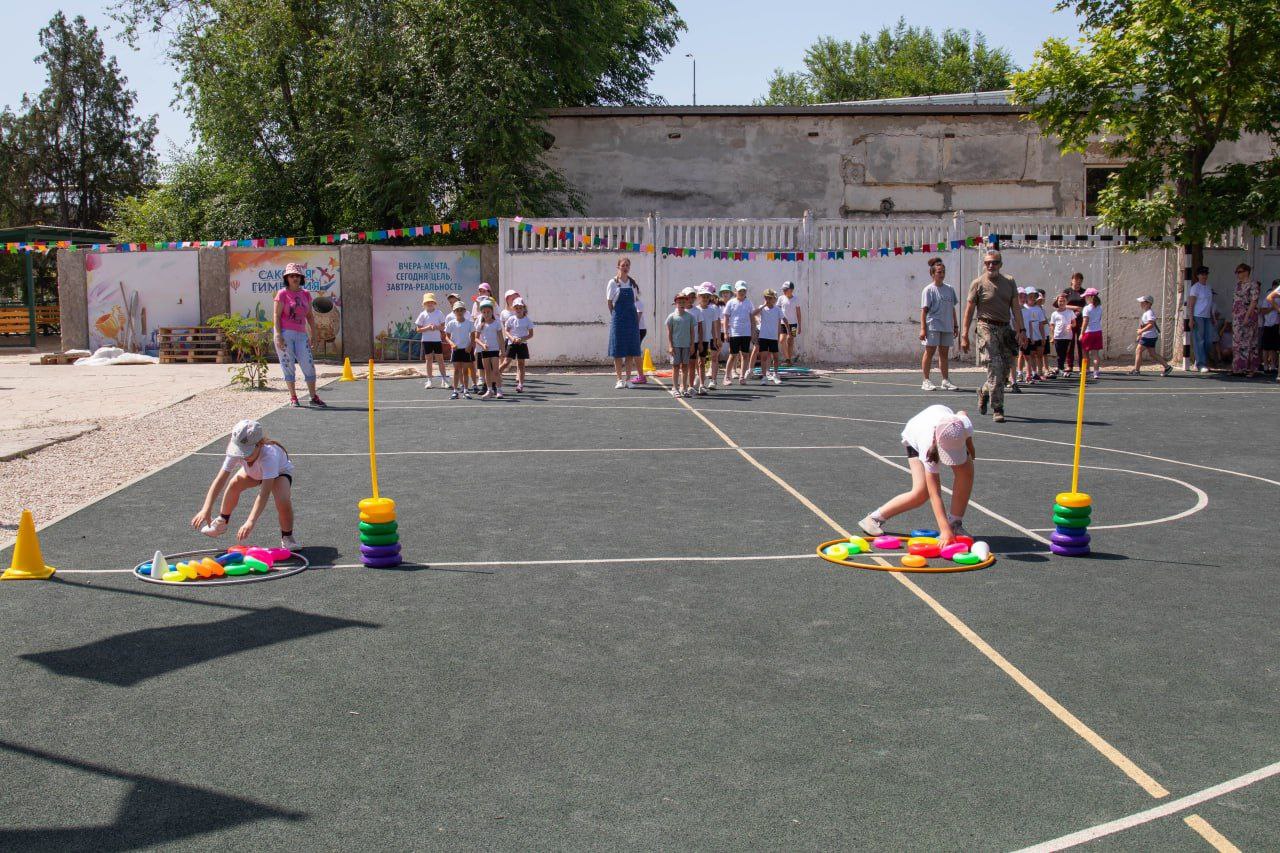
x=997, y=516
x=612, y=450
x=1202, y=499
x=1164, y=810
x=478, y=563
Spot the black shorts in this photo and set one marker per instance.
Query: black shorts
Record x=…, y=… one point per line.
x=1048, y=346
x=703, y=347
x=460, y=356
x=1270, y=338
x=432, y=347
x=739, y=344
x=793, y=329
x=1030, y=347
x=911, y=453
x=518, y=351
x=488, y=353
x=768, y=344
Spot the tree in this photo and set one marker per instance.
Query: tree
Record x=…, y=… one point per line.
x=73, y=149
x=327, y=115
x=1160, y=84
x=901, y=62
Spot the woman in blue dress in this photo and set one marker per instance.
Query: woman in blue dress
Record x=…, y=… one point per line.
x=624, y=325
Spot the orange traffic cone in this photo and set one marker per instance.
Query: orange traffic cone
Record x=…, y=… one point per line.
x=347, y=375
x=28, y=562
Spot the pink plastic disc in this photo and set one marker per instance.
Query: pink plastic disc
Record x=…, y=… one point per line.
x=887, y=543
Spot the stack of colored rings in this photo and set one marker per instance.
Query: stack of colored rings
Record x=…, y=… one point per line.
x=1072, y=512
x=379, y=533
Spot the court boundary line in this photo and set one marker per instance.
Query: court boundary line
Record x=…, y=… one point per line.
x=683, y=449
x=1130, y=821
x=1083, y=731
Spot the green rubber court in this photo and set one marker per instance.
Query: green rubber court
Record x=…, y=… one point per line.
x=612, y=631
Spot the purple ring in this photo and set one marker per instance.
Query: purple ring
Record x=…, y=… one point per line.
x=380, y=550
x=1069, y=541
x=381, y=562
x=1063, y=551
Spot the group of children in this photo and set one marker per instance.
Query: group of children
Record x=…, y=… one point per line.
x=707, y=320
x=481, y=344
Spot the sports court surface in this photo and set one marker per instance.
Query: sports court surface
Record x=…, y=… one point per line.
x=615, y=634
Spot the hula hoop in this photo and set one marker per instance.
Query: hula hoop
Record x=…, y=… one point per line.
x=935, y=570
x=274, y=574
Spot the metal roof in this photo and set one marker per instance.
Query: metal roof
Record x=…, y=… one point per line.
x=51, y=233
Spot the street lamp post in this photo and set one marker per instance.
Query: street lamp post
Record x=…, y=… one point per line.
x=695, y=77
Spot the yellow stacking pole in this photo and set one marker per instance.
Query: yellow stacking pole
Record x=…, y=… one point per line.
x=373, y=449
x=1075, y=464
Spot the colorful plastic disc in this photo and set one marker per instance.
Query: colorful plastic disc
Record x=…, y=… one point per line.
x=1064, y=521
x=1073, y=499
x=887, y=543
x=379, y=550
x=923, y=540
x=373, y=505
x=1063, y=551
x=237, y=569
x=1069, y=541
x=839, y=551
x=379, y=518
x=1073, y=511
x=379, y=539
x=954, y=548
x=924, y=531
x=966, y=558
x=381, y=562
x=386, y=527
x=925, y=551
x=914, y=561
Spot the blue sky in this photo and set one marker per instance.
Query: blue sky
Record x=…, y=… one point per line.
x=737, y=44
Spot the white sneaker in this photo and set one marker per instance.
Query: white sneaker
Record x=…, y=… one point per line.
x=947, y=386
x=675, y=392
x=619, y=385
x=1204, y=370
x=928, y=385
x=871, y=527
x=289, y=542
x=775, y=379
x=711, y=386
x=426, y=384
x=217, y=527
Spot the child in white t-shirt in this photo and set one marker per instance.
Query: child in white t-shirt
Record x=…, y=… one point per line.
x=460, y=332
x=430, y=324
x=488, y=349
x=1060, y=321
x=709, y=347
x=518, y=329
x=1038, y=328
x=252, y=460
x=1147, y=338
x=1091, y=330
x=770, y=329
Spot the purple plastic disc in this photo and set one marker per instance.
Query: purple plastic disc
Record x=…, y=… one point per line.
x=1069, y=541
x=380, y=550
x=381, y=562
x=1063, y=551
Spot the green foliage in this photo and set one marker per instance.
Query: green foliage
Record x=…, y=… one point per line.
x=250, y=342
x=1160, y=84
x=69, y=151
x=327, y=115
x=897, y=63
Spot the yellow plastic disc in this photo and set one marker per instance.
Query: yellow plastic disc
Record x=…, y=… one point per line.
x=913, y=561
x=379, y=518
x=173, y=577
x=379, y=506
x=922, y=540
x=863, y=545
x=1075, y=500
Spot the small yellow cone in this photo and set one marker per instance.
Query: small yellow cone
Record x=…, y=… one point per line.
x=647, y=365
x=347, y=375
x=28, y=562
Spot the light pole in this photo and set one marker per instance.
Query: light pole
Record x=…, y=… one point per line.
x=695, y=77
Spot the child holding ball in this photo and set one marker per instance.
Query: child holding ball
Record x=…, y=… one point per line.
x=252, y=461
x=935, y=437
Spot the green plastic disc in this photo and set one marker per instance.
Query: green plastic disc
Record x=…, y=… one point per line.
x=1067, y=521
x=237, y=569
x=967, y=558
x=379, y=538
x=255, y=565
x=1072, y=512
x=378, y=529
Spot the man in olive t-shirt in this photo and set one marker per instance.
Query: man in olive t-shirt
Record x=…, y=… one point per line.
x=993, y=297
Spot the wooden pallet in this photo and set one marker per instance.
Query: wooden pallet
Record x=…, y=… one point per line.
x=58, y=358
x=192, y=345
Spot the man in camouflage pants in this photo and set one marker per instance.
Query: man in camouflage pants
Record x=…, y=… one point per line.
x=992, y=298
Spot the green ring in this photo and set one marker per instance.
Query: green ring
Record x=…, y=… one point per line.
x=378, y=529
x=968, y=558
x=1063, y=521
x=380, y=539
x=1072, y=512
x=237, y=569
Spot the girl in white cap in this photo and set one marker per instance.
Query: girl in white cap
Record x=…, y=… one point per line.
x=430, y=323
x=1148, y=338
x=935, y=437
x=252, y=460
x=488, y=340
x=1091, y=334
x=709, y=347
x=295, y=325
x=518, y=329
x=508, y=299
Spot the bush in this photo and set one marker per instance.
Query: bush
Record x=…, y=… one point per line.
x=250, y=342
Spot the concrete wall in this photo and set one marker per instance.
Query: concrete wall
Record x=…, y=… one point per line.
x=215, y=299
x=73, y=300
x=357, y=302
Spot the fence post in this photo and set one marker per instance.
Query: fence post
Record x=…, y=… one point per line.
x=653, y=223
x=808, y=273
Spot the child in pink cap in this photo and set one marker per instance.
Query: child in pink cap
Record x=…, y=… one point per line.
x=295, y=326
x=935, y=437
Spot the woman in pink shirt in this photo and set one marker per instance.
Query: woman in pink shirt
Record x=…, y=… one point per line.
x=294, y=326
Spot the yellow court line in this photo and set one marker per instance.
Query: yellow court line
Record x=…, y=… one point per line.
x=1071, y=721
x=1208, y=833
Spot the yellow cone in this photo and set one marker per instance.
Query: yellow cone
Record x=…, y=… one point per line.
x=347, y=375
x=28, y=562
x=647, y=365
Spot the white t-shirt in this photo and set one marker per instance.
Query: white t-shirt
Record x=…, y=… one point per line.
x=1270, y=317
x=1092, y=318
x=640, y=313
x=737, y=315
x=611, y=290
x=1028, y=319
x=1035, y=330
x=431, y=318
x=459, y=331
x=696, y=313
x=1204, y=300
x=788, y=309
x=487, y=335
x=918, y=433
x=1061, y=321
x=518, y=326
x=710, y=316
x=271, y=463
x=1148, y=316
x=769, y=320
